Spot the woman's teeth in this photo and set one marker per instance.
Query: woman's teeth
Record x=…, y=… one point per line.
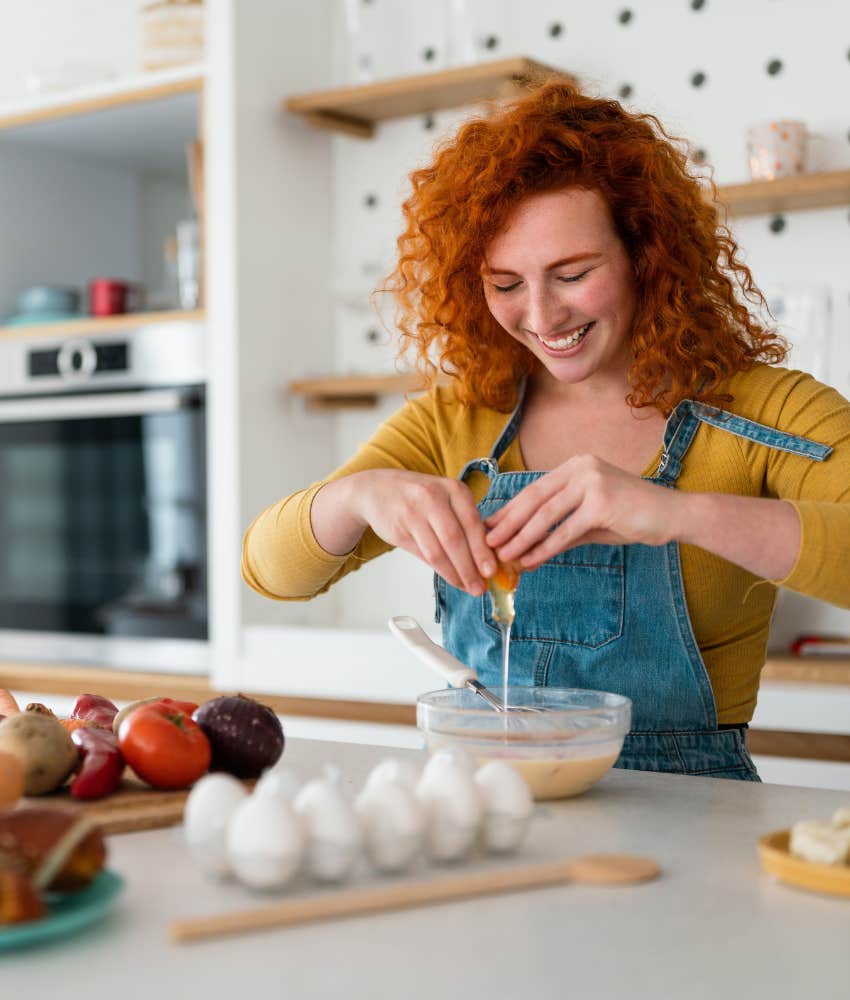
x=564, y=342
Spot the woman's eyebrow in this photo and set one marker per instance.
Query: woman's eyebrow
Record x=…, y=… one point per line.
x=573, y=259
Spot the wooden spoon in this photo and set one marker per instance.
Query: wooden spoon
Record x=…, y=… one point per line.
x=590, y=869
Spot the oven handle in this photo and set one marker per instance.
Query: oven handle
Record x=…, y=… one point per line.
x=108, y=404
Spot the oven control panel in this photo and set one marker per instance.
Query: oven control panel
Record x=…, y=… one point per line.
x=79, y=357
x=158, y=354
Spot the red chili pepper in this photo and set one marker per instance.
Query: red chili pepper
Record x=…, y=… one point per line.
x=95, y=708
x=102, y=763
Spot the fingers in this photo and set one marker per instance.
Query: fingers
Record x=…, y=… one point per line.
x=426, y=545
x=450, y=538
x=578, y=529
x=481, y=554
x=528, y=524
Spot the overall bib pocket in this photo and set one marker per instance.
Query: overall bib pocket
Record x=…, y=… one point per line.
x=576, y=598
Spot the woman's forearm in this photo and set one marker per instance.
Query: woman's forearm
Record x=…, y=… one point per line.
x=761, y=535
x=335, y=526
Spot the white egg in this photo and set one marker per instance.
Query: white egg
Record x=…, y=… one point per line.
x=508, y=805
x=265, y=842
x=454, y=756
x=393, y=769
x=393, y=822
x=209, y=806
x=453, y=808
x=332, y=828
x=281, y=781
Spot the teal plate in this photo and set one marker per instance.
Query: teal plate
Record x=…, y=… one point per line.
x=68, y=913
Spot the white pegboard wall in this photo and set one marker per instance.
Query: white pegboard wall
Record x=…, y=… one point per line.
x=708, y=68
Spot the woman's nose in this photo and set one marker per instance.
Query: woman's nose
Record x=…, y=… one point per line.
x=544, y=312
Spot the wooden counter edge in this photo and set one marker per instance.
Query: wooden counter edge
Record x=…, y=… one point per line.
x=125, y=685
x=129, y=685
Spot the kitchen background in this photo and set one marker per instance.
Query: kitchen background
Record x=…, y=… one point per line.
x=301, y=225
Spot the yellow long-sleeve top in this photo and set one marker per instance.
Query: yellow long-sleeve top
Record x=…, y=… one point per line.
x=435, y=434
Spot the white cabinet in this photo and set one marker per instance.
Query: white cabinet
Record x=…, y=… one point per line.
x=94, y=181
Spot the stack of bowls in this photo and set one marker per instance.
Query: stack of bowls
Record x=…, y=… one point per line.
x=46, y=304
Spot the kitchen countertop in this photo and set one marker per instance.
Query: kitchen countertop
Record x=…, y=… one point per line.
x=713, y=925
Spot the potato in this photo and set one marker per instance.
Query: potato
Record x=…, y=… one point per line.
x=42, y=746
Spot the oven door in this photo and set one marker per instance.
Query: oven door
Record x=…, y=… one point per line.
x=103, y=528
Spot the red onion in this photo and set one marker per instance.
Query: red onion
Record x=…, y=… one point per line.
x=246, y=737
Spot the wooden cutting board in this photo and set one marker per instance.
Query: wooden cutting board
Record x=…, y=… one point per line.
x=134, y=806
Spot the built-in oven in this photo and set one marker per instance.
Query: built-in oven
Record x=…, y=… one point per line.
x=103, y=526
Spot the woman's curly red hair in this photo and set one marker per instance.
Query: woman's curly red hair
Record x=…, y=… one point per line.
x=691, y=330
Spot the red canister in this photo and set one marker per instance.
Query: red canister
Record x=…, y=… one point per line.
x=110, y=296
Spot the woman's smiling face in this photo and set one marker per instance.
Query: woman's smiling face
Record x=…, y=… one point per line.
x=558, y=279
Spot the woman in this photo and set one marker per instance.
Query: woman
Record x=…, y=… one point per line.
x=614, y=423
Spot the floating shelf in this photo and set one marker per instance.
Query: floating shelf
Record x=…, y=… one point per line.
x=144, y=120
x=786, y=194
x=357, y=110
x=103, y=324
x=807, y=669
x=337, y=392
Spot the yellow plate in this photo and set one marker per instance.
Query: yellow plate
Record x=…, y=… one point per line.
x=779, y=861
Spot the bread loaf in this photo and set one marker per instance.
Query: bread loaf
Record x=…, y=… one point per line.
x=58, y=849
x=19, y=898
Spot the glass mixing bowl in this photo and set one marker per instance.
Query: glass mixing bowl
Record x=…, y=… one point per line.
x=564, y=746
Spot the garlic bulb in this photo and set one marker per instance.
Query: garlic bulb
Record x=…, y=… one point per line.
x=265, y=842
x=392, y=820
x=209, y=806
x=508, y=805
x=332, y=827
x=453, y=807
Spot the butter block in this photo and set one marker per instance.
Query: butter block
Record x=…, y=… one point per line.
x=823, y=843
x=841, y=818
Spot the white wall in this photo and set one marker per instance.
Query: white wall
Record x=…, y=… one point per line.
x=87, y=36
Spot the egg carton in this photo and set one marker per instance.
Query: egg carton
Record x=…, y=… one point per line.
x=285, y=831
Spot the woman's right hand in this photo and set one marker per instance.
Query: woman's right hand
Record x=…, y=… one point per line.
x=433, y=518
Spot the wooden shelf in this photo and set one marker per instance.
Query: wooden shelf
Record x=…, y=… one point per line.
x=807, y=669
x=824, y=190
x=100, y=96
x=103, y=324
x=357, y=110
x=338, y=392
x=143, y=121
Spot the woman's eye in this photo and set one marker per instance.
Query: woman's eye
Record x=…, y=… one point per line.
x=506, y=288
x=568, y=278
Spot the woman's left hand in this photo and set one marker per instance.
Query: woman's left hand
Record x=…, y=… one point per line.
x=589, y=501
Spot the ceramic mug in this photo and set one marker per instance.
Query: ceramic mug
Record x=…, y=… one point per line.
x=111, y=297
x=776, y=149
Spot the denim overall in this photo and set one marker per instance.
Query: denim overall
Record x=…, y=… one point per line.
x=614, y=618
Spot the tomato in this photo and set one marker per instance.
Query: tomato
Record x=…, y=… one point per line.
x=180, y=706
x=164, y=746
